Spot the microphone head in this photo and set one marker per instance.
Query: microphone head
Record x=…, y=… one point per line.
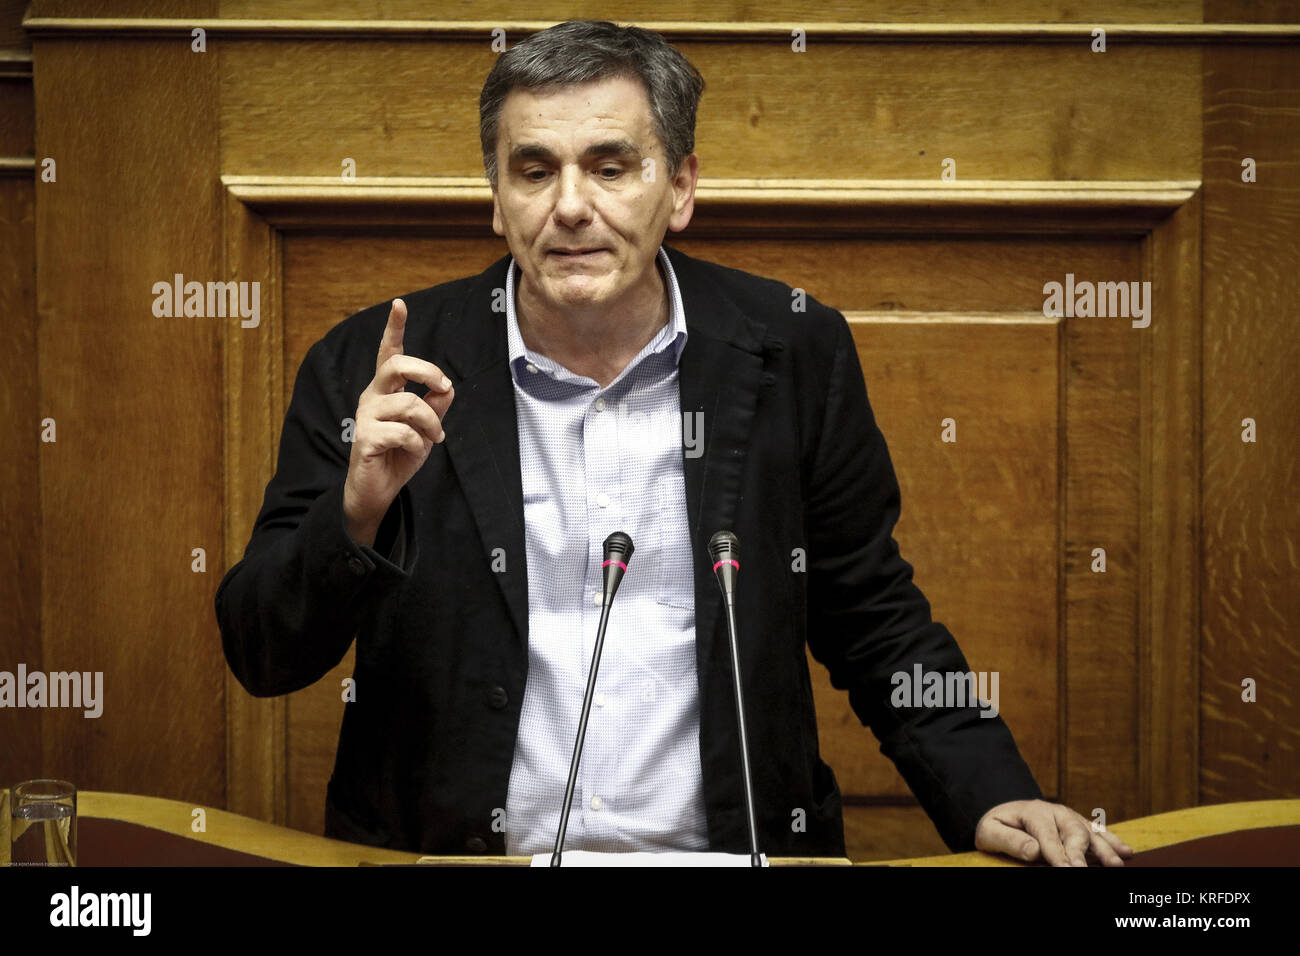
x=724, y=551
x=724, y=544
x=618, y=545
x=618, y=552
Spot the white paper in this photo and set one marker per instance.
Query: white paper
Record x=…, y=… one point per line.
x=591, y=858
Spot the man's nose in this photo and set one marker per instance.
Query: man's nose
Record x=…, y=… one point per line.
x=572, y=203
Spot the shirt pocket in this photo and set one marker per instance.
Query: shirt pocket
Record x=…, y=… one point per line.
x=676, y=567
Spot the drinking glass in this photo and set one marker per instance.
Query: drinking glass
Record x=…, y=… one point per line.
x=43, y=823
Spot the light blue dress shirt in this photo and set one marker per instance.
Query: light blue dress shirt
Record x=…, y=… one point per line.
x=593, y=461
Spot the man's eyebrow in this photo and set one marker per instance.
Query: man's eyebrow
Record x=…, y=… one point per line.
x=608, y=147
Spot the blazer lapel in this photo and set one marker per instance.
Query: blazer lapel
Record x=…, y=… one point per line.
x=718, y=380
x=483, y=438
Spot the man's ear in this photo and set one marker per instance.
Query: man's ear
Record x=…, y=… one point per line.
x=497, y=225
x=684, y=193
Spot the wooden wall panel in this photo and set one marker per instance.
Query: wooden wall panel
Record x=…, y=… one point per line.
x=980, y=516
x=123, y=8
x=874, y=832
x=989, y=274
x=1251, y=557
x=11, y=25
x=133, y=482
x=20, y=511
x=1251, y=11
x=20, y=401
x=1102, y=510
x=405, y=109
x=18, y=132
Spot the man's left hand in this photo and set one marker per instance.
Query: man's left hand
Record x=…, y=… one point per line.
x=1031, y=830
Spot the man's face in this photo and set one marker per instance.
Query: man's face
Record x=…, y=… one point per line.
x=570, y=178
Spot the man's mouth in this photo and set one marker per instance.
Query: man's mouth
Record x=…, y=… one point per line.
x=576, y=253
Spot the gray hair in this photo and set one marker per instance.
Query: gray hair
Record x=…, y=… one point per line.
x=581, y=51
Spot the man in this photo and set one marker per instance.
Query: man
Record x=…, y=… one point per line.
x=595, y=381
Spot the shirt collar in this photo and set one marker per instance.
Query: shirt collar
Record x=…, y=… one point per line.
x=672, y=335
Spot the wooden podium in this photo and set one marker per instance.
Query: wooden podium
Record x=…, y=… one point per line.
x=185, y=834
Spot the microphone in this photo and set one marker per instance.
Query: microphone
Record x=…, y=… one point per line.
x=724, y=550
x=618, y=552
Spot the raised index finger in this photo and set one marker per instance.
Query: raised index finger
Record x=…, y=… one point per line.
x=391, y=343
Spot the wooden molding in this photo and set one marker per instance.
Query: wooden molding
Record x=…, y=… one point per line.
x=252, y=371
x=732, y=32
x=761, y=207
x=15, y=65
x=1170, y=585
x=18, y=167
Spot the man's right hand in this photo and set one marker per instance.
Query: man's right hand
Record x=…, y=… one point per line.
x=395, y=430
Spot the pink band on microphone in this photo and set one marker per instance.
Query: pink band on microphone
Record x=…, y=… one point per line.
x=613, y=561
x=734, y=564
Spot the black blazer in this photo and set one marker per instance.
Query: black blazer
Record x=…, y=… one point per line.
x=792, y=462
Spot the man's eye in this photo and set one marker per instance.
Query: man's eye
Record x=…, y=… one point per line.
x=614, y=170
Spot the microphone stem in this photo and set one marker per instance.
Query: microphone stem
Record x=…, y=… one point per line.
x=582, y=731
x=754, y=859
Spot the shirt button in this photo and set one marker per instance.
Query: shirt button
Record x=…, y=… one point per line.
x=531, y=367
x=602, y=499
x=356, y=566
x=498, y=698
x=600, y=404
x=596, y=803
x=598, y=598
x=600, y=700
x=475, y=844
